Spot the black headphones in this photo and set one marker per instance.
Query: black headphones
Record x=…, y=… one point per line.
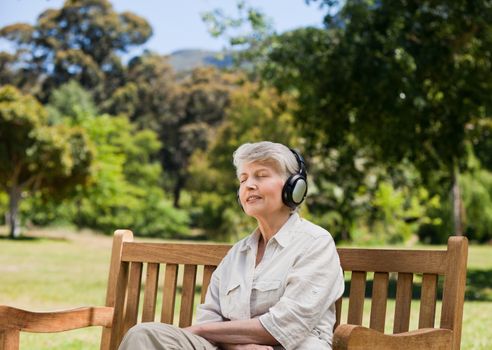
x=295, y=188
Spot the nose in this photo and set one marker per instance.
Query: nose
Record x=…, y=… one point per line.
x=250, y=183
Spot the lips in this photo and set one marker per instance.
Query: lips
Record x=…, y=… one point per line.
x=252, y=198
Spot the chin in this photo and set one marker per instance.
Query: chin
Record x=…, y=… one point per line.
x=253, y=211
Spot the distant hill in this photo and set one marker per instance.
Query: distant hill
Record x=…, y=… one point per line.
x=185, y=60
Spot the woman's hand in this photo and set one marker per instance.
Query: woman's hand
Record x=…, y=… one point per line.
x=245, y=347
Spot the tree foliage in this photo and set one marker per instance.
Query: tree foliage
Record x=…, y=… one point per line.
x=35, y=156
x=389, y=101
x=82, y=41
x=125, y=187
x=147, y=94
x=416, y=70
x=125, y=191
x=198, y=109
x=72, y=101
x=406, y=79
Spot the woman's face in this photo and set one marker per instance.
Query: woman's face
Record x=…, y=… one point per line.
x=260, y=190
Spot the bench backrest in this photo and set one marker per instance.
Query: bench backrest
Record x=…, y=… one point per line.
x=130, y=261
x=428, y=266
x=134, y=265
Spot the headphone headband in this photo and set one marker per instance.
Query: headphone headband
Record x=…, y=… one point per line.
x=302, y=164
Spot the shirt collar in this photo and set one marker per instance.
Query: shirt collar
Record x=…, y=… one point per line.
x=252, y=241
x=283, y=236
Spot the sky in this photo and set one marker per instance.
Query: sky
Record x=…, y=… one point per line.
x=177, y=24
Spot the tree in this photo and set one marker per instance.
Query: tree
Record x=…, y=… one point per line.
x=35, y=156
x=125, y=187
x=72, y=101
x=198, y=108
x=125, y=191
x=147, y=94
x=248, y=31
x=405, y=78
x=182, y=112
x=79, y=41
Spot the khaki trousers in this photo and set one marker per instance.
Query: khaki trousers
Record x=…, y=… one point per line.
x=161, y=336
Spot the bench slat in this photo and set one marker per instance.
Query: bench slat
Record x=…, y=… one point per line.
x=403, y=302
x=121, y=289
x=184, y=253
x=392, y=260
x=428, y=293
x=150, y=295
x=379, y=300
x=338, y=307
x=207, y=274
x=187, y=296
x=133, y=297
x=356, y=298
x=169, y=293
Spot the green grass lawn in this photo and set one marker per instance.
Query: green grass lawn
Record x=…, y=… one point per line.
x=64, y=270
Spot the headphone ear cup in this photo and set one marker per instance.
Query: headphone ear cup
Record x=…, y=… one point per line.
x=286, y=190
x=294, y=190
x=299, y=190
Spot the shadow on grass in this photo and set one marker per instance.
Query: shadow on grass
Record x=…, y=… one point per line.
x=478, y=287
x=21, y=238
x=32, y=239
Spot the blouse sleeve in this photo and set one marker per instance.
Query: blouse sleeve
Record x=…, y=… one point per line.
x=312, y=286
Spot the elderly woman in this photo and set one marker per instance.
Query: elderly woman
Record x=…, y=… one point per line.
x=276, y=288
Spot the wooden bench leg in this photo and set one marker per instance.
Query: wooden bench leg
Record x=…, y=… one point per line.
x=9, y=339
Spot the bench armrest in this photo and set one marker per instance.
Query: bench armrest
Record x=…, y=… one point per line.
x=45, y=322
x=352, y=337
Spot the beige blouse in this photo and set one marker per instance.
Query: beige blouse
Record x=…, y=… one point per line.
x=292, y=290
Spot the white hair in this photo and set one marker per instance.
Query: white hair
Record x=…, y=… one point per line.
x=284, y=160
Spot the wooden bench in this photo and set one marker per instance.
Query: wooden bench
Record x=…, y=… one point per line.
x=163, y=260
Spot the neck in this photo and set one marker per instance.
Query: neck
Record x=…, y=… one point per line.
x=271, y=225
